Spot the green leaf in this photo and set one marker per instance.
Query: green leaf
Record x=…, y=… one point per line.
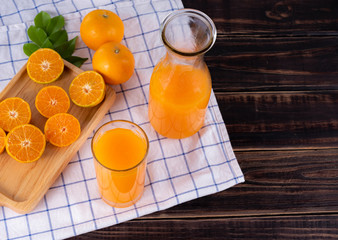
x=42, y=20
x=55, y=24
x=66, y=49
x=77, y=61
x=47, y=44
x=58, y=38
x=48, y=33
x=37, y=35
x=29, y=48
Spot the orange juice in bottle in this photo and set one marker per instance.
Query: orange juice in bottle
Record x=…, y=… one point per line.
x=120, y=149
x=180, y=85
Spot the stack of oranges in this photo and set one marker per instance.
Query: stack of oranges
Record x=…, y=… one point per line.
x=102, y=31
x=24, y=141
x=113, y=63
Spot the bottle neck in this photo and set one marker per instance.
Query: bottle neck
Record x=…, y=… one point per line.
x=175, y=58
x=188, y=33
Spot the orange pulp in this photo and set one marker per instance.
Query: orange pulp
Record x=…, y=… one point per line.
x=120, y=169
x=178, y=98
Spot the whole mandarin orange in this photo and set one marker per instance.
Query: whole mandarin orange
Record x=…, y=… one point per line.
x=101, y=26
x=114, y=62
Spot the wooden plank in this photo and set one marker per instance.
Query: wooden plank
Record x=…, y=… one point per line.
x=276, y=183
x=281, y=120
x=289, y=227
x=266, y=17
x=273, y=64
x=289, y=194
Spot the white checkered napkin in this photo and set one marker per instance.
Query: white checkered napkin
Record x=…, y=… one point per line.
x=177, y=171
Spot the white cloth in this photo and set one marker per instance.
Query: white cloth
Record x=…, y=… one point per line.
x=177, y=170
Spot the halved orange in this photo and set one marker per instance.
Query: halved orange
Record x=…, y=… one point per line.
x=25, y=143
x=44, y=65
x=14, y=112
x=87, y=89
x=51, y=100
x=2, y=140
x=62, y=129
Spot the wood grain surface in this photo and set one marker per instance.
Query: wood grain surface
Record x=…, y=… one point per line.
x=22, y=185
x=274, y=68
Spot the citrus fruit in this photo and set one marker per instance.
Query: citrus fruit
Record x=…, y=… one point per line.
x=2, y=140
x=44, y=65
x=101, y=26
x=25, y=143
x=14, y=111
x=51, y=100
x=62, y=129
x=87, y=89
x=114, y=62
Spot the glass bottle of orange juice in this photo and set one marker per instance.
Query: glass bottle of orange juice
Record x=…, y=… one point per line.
x=180, y=85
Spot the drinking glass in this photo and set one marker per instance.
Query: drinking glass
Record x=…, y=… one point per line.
x=120, y=151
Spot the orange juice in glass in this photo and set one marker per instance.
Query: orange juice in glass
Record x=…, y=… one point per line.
x=120, y=150
x=180, y=85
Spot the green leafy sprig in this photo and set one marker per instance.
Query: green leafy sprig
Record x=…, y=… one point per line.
x=48, y=33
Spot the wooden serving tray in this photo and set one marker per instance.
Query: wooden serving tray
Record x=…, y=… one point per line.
x=22, y=185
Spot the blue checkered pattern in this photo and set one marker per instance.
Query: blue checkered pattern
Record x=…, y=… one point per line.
x=177, y=171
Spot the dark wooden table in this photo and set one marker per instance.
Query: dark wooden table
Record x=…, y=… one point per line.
x=275, y=74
